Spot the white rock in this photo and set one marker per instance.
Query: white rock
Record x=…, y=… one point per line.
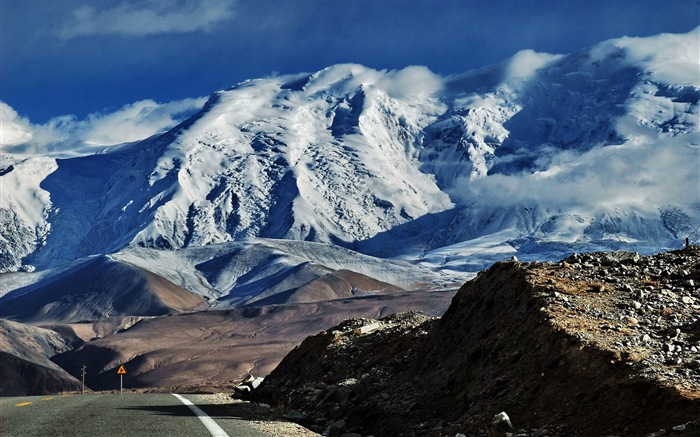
x=500, y=423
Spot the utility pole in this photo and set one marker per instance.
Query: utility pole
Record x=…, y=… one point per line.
x=82, y=391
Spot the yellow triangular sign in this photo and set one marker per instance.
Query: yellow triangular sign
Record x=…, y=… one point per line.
x=121, y=370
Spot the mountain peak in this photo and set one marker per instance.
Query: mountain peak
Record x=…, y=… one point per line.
x=543, y=153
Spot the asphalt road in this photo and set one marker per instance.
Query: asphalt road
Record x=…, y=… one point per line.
x=96, y=415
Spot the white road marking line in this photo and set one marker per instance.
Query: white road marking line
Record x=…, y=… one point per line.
x=211, y=425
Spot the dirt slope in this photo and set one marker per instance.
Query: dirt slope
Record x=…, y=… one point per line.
x=601, y=344
x=339, y=284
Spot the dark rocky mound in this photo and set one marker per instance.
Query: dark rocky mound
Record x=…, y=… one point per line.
x=598, y=344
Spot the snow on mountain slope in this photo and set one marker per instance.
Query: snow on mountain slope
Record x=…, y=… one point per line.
x=240, y=272
x=599, y=150
x=24, y=208
x=275, y=162
x=146, y=282
x=541, y=154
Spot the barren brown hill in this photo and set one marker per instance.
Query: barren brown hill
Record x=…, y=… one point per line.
x=25, y=378
x=25, y=368
x=334, y=285
x=98, y=289
x=599, y=344
x=78, y=333
x=214, y=350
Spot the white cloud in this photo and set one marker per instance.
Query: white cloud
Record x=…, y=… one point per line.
x=136, y=121
x=525, y=63
x=13, y=128
x=671, y=58
x=411, y=83
x=67, y=134
x=146, y=18
x=631, y=176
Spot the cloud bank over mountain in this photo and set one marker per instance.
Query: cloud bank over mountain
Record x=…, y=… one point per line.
x=67, y=135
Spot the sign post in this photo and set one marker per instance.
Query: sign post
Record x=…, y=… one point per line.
x=121, y=372
x=82, y=391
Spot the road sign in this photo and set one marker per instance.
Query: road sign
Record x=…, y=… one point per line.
x=121, y=371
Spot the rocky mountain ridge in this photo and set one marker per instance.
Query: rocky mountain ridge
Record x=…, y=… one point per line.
x=596, y=344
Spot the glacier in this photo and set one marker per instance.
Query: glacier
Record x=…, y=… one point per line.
x=536, y=157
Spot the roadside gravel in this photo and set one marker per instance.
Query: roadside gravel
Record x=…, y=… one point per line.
x=265, y=420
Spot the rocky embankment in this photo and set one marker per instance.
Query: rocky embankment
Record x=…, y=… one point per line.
x=597, y=344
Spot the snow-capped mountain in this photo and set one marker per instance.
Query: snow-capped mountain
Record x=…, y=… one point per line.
x=542, y=154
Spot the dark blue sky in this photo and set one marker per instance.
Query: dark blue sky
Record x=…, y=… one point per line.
x=80, y=57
